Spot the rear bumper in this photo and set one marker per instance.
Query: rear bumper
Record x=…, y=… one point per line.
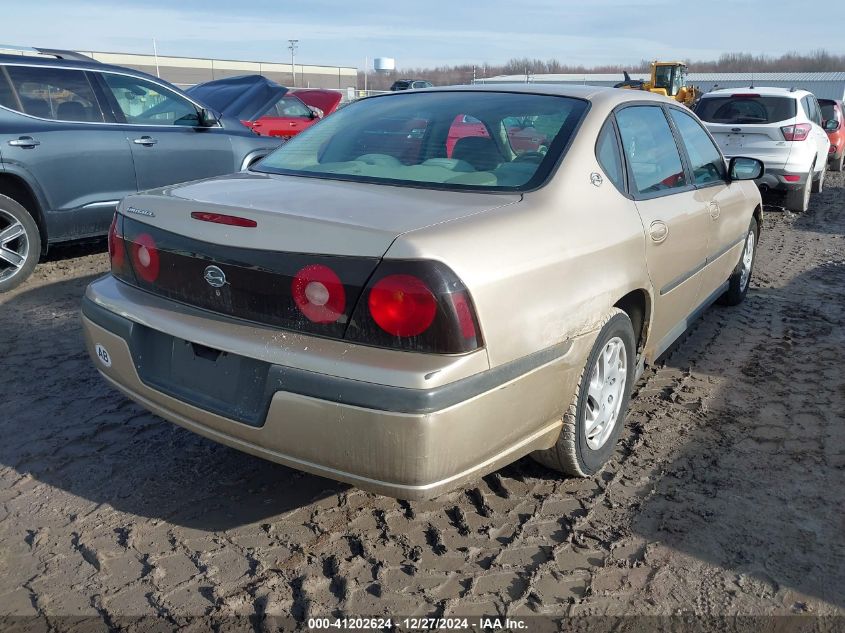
x=793, y=161
x=393, y=440
x=775, y=179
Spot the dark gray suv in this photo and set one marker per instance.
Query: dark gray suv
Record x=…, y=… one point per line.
x=77, y=136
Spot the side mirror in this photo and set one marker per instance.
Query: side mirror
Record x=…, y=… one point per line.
x=742, y=168
x=207, y=118
x=831, y=125
x=316, y=113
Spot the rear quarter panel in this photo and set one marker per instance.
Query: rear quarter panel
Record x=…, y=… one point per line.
x=549, y=267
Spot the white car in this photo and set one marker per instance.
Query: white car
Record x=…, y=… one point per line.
x=779, y=126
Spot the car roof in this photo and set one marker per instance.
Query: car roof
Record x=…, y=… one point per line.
x=763, y=91
x=76, y=64
x=596, y=94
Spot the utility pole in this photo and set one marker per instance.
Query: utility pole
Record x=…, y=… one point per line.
x=294, y=45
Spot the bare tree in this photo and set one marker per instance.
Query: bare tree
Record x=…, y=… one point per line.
x=814, y=61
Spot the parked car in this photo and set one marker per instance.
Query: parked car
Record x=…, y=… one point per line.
x=410, y=84
x=781, y=127
x=833, y=116
x=266, y=107
x=410, y=324
x=77, y=136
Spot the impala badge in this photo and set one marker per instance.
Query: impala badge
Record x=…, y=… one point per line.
x=215, y=277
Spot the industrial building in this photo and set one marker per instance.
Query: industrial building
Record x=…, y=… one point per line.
x=830, y=85
x=187, y=71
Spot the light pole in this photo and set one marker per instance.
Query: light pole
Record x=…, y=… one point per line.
x=294, y=44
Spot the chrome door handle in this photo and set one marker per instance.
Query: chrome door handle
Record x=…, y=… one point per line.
x=658, y=231
x=24, y=141
x=145, y=140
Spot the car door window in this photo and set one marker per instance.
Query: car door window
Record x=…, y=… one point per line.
x=145, y=103
x=706, y=161
x=290, y=107
x=607, y=152
x=55, y=93
x=7, y=97
x=650, y=149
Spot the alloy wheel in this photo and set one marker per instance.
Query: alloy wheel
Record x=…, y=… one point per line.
x=14, y=245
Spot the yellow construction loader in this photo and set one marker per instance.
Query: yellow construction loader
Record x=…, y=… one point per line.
x=668, y=79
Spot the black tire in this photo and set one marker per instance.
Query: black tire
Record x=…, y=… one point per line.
x=735, y=294
x=799, y=199
x=838, y=163
x=572, y=454
x=26, y=245
x=818, y=183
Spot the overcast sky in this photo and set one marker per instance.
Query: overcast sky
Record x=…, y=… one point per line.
x=434, y=32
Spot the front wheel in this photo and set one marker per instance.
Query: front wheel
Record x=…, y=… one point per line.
x=20, y=244
x=740, y=279
x=594, y=419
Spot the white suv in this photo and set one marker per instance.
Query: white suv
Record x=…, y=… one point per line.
x=781, y=127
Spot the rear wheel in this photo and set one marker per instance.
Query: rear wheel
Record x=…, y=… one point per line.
x=594, y=419
x=818, y=183
x=838, y=164
x=740, y=279
x=799, y=199
x=20, y=244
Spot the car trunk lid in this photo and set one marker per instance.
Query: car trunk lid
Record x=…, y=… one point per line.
x=184, y=243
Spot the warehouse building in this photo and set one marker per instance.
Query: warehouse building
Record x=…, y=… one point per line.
x=187, y=71
x=829, y=85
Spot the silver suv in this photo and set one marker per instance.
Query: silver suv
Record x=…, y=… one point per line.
x=76, y=136
x=781, y=127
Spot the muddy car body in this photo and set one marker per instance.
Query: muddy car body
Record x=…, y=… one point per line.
x=410, y=325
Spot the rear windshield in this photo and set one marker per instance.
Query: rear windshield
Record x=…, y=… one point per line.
x=746, y=109
x=442, y=140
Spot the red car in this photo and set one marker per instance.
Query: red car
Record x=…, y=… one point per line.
x=266, y=107
x=833, y=114
x=296, y=111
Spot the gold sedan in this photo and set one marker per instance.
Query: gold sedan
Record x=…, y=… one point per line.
x=428, y=285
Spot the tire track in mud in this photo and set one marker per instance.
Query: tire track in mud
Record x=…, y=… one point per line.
x=179, y=526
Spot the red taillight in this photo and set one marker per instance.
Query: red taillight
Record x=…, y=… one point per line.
x=220, y=218
x=797, y=132
x=117, y=249
x=145, y=258
x=402, y=305
x=792, y=177
x=319, y=294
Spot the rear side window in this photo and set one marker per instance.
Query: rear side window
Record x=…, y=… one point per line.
x=812, y=109
x=55, y=93
x=650, y=148
x=746, y=109
x=607, y=152
x=707, y=164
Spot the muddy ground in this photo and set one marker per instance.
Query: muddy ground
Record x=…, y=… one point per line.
x=725, y=498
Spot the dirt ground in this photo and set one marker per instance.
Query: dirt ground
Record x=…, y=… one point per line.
x=726, y=497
